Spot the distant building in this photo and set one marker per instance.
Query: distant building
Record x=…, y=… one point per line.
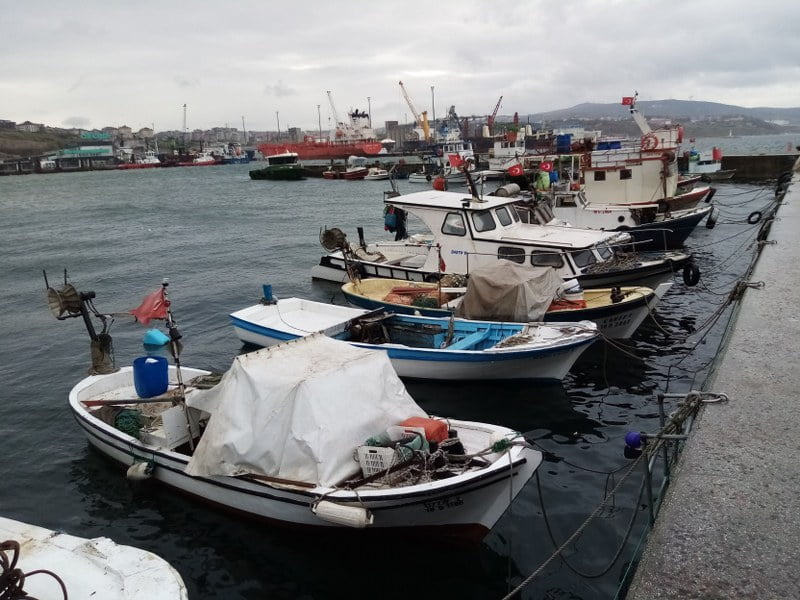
x=5, y=124
x=29, y=127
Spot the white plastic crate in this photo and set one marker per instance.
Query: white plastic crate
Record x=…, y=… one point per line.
x=374, y=459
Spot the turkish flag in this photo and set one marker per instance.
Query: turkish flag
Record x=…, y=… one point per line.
x=455, y=160
x=627, y=101
x=154, y=306
x=516, y=170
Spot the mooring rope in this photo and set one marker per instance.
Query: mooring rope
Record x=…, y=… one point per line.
x=12, y=579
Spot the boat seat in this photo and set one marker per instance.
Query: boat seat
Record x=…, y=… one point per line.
x=469, y=341
x=416, y=260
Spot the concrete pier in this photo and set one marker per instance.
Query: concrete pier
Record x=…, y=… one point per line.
x=730, y=523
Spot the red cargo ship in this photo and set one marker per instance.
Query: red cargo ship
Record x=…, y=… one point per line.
x=353, y=138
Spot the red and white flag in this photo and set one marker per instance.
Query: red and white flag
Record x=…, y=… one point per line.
x=516, y=170
x=455, y=160
x=627, y=101
x=154, y=306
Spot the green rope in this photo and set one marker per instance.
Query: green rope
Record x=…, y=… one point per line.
x=129, y=421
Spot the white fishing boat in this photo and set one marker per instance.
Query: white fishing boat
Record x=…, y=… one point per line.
x=314, y=432
x=708, y=165
x=426, y=347
x=652, y=226
x=465, y=232
x=42, y=563
x=376, y=174
x=265, y=452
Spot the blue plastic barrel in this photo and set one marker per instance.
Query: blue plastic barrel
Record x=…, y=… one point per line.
x=150, y=376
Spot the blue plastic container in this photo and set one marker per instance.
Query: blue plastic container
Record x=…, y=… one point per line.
x=150, y=376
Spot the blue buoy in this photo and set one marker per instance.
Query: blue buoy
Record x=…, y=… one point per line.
x=155, y=337
x=633, y=439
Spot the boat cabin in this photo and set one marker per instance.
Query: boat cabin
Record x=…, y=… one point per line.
x=467, y=233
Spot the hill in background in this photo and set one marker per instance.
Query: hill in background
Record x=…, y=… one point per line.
x=700, y=119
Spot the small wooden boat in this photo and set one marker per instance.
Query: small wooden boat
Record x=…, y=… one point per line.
x=86, y=568
x=618, y=312
x=426, y=347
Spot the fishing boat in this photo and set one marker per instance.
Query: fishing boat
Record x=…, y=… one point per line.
x=280, y=166
x=43, y=563
x=356, y=168
x=652, y=226
x=202, y=159
x=708, y=165
x=425, y=347
x=465, y=232
x=376, y=174
x=509, y=292
x=314, y=432
x=148, y=160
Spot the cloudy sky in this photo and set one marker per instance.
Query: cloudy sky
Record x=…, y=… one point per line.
x=103, y=63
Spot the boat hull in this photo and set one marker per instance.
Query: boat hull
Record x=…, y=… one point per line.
x=468, y=504
x=323, y=150
x=647, y=273
x=285, y=173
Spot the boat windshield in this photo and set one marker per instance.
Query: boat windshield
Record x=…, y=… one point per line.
x=584, y=258
x=483, y=221
x=504, y=216
x=605, y=252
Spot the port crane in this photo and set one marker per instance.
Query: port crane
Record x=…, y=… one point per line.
x=493, y=116
x=421, y=118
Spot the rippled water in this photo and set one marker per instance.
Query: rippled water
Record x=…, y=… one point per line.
x=218, y=236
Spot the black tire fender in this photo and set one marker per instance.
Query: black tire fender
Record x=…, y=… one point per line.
x=754, y=217
x=711, y=219
x=691, y=274
x=710, y=194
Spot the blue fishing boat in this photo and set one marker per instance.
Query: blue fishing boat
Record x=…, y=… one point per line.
x=426, y=347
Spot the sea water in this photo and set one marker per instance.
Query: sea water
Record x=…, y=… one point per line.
x=218, y=237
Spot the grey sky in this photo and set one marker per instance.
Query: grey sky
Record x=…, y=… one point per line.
x=96, y=63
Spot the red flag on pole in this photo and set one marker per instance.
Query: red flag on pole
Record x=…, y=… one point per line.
x=627, y=101
x=516, y=170
x=154, y=306
x=455, y=160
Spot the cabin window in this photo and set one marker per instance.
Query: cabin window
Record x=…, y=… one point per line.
x=454, y=224
x=625, y=174
x=584, y=258
x=605, y=252
x=503, y=216
x=516, y=255
x=553, y=259
x=599, y=175
x=483, y=221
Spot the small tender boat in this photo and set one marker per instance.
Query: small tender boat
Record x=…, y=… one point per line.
x=53, y=563
x=426, y=347
x=708, y=165
x=513, y=293
x=356, y=168
x=376, y=174
x=280, y=166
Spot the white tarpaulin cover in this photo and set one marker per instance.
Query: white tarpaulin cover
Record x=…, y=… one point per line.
x=509, y=292
x=298, y=411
